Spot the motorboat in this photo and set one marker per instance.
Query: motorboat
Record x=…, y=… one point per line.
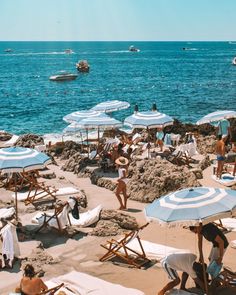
x=69, y=51
x=63, y=76
x=83, y=66
x=8, y=50
x=234, y=61
x=133, y=49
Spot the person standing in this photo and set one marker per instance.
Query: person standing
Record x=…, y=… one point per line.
x=122, y=163
x=159, y=138
x=186, y=263
x=214, y=235
x=220, y=155
x=223, y=129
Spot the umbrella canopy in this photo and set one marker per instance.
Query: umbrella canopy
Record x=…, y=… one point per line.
x=111, y=106
x=79, y=115
x=19, y=159
x=192, y=206
x=102, y=121
x=149, y=119
x=216, y=116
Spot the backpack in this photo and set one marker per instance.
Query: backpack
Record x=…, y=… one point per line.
x=75, y=210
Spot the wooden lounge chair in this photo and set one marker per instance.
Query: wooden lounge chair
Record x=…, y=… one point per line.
x=226, y=279
x=58, y=220
x=121, y=249
x=53, y=290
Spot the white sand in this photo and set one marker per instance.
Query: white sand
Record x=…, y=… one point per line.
x=83, y=253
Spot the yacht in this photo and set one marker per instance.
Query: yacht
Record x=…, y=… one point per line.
x=133, y=49
x=69, y=51
x=8, y=50
x=83, y=66
x=234, y=61
x=63, y=76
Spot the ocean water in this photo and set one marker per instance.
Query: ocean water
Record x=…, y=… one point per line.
x=185, y=84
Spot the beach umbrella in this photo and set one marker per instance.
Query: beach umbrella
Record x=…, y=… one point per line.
x=193, y=206
x=216, y=116
x=148, y=119
x=111, y=106
x=79, y=115
x=19, y=159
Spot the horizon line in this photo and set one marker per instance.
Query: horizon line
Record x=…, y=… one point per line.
x=117, y=40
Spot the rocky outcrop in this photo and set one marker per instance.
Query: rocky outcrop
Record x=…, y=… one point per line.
x=113, y=223
x=206, y=144
x=102, y=182
x=38, y=259
x=4, y=136
x=150, y=179
x=75, y=163
x=29, y=140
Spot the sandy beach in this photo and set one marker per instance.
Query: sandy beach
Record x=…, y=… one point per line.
x=82, y=252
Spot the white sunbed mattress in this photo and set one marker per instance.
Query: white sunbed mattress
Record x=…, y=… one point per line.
x=7, y=212
x=83, y=284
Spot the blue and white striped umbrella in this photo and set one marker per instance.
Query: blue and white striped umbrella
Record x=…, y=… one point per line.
x=216, y=116
x=149, y=119
x=102, y=121
x=192, y=206
x=80, y=115
x=111, y=106
x=20, y=159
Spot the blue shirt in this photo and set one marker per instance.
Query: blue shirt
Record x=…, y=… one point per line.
x=223, y=126
x=159, y=135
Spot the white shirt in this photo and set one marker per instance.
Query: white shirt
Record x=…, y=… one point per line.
x=182, y=262
x=122, y=173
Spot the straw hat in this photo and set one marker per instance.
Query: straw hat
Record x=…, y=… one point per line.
x=122, y=161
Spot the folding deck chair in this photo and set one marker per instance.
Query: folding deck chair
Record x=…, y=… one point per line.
x=38, y=190
x=121, y=249
x=226, y=279
x=58, y=220
x=53, y=290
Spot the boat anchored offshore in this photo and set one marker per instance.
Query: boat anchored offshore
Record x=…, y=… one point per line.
x=63, y=76
x=83, y=66
x=133, y=49
x=234, y=61
x=8, y=50
x=69, y=51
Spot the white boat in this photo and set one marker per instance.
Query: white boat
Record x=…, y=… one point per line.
x=63, y=76
x=133, y=49
x=69, y=51
x=234, y=61
x=8, y=50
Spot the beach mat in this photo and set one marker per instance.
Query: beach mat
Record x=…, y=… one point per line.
x=83, y=284
x=226, y=179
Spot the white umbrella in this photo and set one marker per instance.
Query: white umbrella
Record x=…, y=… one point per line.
x=111, y=106
x=79, y=115
x=216, y=116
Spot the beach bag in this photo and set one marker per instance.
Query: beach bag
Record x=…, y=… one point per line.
x=214, y=269
x=75, y=210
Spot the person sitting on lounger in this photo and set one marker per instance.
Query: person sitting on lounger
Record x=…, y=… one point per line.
x=30, y=284
x=186, y=263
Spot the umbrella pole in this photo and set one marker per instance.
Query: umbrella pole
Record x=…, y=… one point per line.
x=203, y=266
x=87, y=142
x=15, y=184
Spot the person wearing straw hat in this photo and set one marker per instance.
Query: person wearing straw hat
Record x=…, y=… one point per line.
x=122, y=163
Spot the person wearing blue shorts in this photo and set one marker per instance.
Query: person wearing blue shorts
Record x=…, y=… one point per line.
x=220, y=155
x=159, y=138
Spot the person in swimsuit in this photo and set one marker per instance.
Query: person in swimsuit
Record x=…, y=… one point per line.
x=220, y=155
x=122, y=163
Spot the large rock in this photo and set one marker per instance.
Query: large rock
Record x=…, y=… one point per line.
x=150, y=179
x=29, y=140
x=113, y=223
x=4, y=136
x=75, y=163
x=206, y=144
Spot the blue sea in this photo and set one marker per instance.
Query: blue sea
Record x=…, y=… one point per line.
x=185, y=84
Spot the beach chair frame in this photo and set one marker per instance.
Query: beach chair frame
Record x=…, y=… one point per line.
x=226, y=279
x=130, y=256
x=47, y=218
x=40, y=190
x=53, y=290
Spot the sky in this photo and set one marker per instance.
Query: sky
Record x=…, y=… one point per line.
x=117, y=20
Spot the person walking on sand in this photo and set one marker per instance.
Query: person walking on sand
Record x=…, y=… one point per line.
x=186, y=263
x=220, y=155
x=122, y=163
x=214, y=235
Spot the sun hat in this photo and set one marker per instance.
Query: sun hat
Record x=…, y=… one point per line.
x=122, y=161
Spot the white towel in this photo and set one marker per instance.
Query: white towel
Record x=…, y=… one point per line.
x=10, y=246
x=7, y=212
